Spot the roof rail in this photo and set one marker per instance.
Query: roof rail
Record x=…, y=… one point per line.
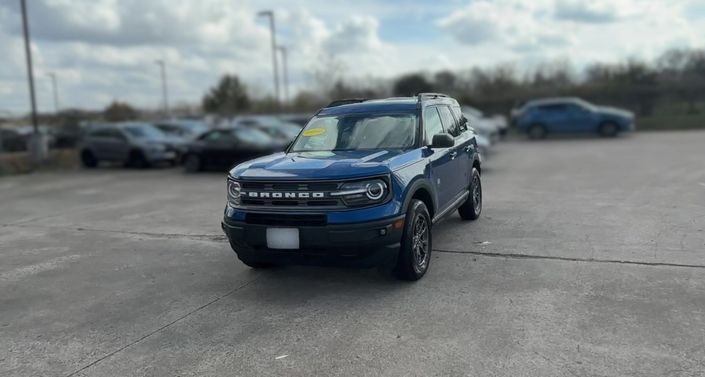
x=420, y=96
x=347, y=101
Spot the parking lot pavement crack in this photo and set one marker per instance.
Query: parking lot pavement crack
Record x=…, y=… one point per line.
x=162, y=328
x=568, y=259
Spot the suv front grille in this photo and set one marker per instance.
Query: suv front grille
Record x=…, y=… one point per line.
x=290, y=194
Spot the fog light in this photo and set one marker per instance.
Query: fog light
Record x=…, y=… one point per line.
x=383, y=232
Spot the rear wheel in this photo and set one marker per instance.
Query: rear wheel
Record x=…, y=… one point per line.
x=608, y=129
x=415, y=252
x=537, y=131
x=88, y=159
x=471, y=209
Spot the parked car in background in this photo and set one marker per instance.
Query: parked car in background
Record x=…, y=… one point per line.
x=12, y=141
x=223, y=148
x=539, y=118
x=486, y=130
x=495, y=125
x=277, y=129
x=298, y=119
x=182, y=128
x=131, y=143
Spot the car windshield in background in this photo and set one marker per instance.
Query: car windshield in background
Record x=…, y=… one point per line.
x=357, y=131
x=144, y=132
x=252, y=136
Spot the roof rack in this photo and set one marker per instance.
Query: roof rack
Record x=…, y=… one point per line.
x=347, y=101
x=421, y=96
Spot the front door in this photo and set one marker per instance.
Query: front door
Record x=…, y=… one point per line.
x=440, y=159
x=460, y=161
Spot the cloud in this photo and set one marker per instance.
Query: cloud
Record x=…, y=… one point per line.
x=517, y=25
x=596, y=11
x=358, y=34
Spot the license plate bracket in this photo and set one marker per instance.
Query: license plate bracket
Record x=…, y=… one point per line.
x=283, y=238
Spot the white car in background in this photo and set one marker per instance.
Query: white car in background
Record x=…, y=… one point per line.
x=484, y=127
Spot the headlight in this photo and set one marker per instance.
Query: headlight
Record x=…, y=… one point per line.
x=361, y=193
x=233, y=193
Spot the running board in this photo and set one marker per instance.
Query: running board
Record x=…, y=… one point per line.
x=456, y=203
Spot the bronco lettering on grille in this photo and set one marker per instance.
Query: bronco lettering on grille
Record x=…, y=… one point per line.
x=285, y=195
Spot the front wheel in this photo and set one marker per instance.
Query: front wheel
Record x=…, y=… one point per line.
x=192, y=163
x=608, y=129
x=415, y=252
x=88, y=159
x=471, y=209
x=537, y=131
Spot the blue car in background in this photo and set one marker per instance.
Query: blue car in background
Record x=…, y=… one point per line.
x=539, y=118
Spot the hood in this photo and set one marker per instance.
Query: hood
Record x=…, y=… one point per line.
x=607, y=110
x=320, y=165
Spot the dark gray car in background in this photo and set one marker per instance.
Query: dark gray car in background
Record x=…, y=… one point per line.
x=130, y=143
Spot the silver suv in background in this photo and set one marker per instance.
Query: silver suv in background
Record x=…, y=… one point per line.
x=131, y=143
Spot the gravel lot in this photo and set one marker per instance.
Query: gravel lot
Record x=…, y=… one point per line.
x=589, y=260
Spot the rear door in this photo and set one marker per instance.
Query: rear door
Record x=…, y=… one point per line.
x=459, y=154
x=441, y=174
x=116, y=145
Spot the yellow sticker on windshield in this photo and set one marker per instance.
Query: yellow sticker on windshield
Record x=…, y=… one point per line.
x=314, y=132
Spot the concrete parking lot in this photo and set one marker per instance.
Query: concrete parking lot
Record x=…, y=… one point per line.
x=589, y=260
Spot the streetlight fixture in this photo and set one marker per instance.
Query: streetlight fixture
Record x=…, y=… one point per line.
x=285, y=68
x=165, y=91
x=270, y=14
x=55, y=91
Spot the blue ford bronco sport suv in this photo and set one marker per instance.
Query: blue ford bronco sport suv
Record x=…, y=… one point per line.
x=362, y=184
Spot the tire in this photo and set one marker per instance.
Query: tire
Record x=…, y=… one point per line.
x=192, y=163
x=416, y=243
x=472, y=208
x=88, y=160
x=608, y=129
x=537, y=131
x=138, y=160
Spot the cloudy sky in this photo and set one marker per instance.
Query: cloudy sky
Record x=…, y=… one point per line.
x=103, y=50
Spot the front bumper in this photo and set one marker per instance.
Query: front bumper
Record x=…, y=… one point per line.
x=365, y=244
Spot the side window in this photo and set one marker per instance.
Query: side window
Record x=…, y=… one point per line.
x=448, y=121
x=116, y=134
x=431, y=124
x=215, y=136
x=462, y=121
x=101, y=132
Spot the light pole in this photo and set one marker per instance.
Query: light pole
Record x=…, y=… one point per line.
x=165, y=91
x=37, y=147
x=285, y=68
x=270, y=15
x=55, y=90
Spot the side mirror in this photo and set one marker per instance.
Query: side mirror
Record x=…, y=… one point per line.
x=442, y=140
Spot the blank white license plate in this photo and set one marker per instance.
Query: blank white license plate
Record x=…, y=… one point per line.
x=283, y=238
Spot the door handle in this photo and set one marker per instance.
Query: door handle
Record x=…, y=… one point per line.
x=453, y=154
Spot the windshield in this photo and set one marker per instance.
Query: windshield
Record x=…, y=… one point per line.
x=357, y=131
x=144, y=131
